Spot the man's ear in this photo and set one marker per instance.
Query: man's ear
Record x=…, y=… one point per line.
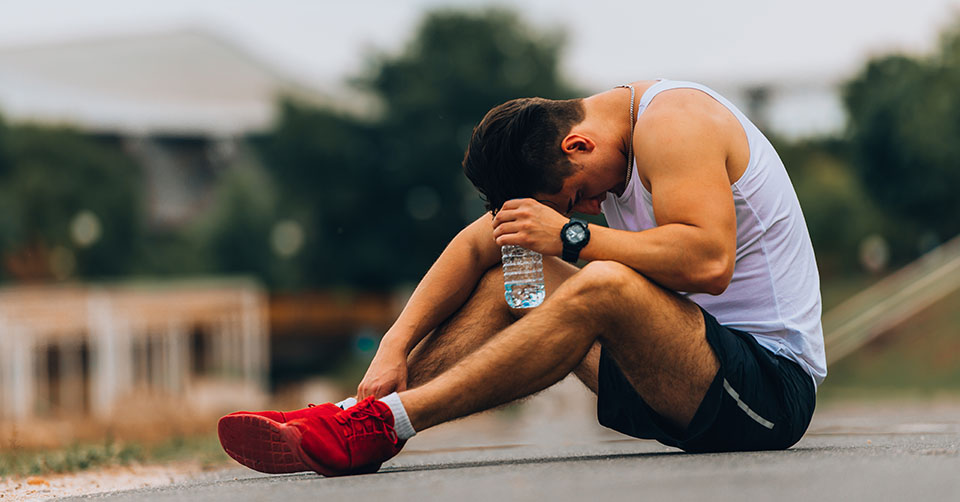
x=577, y=143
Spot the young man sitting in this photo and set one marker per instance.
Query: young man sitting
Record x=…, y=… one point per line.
x=696, y=320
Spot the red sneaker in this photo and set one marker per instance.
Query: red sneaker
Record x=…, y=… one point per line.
x=286, y=416
x=353, y=441
x=357, y=440
x=247, y=438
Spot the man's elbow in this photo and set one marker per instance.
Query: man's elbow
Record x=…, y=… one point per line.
x=716, y=275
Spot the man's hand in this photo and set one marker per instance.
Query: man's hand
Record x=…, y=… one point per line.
x=528, y=223
x=387, y=373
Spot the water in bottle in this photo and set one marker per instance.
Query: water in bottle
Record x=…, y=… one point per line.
x=522, y=277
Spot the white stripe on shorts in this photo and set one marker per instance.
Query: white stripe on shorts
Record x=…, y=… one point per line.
x=743, y=406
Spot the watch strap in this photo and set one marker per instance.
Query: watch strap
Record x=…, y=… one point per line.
x=570, y=254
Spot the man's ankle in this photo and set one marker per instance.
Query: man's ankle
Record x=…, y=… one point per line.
x=401, y=422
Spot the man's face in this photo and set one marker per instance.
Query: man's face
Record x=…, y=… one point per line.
x=582, y=191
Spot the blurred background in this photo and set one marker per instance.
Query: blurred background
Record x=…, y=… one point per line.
x=215, y=205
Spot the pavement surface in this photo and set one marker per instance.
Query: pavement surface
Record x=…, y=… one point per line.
x=552, y=449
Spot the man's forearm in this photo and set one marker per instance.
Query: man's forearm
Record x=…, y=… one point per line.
x=446, y=286
x=679, y=257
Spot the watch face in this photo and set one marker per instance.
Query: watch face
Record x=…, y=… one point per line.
x=575, y=234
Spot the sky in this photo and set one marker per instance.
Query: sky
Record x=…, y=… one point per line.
x=733, y=41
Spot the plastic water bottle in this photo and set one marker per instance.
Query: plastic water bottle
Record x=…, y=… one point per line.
x=522, y=277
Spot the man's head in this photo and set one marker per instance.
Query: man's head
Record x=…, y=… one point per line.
x=516, y=150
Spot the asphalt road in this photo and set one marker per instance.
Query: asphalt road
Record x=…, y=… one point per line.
x=851, y=453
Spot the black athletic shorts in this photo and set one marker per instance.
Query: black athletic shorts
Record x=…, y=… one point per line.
x=758, y=400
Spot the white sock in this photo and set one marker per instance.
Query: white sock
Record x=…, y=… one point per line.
x=347, y=403
x=401, y=422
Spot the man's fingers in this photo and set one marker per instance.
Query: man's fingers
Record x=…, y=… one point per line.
x=511, y=215
x=377, y=392
x=507, y=228
x=516, y=239
x=366, y=391
x=512, y=203
x=504, y=216
x=509, y=210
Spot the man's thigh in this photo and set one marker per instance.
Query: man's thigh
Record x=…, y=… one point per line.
x=657, y=339
x=655, y=336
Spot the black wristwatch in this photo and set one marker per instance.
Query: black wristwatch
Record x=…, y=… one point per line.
x=574, y=236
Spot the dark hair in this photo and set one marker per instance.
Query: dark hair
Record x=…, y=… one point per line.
x=515, y=150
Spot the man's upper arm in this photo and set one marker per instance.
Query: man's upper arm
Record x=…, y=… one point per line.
x=682, y=151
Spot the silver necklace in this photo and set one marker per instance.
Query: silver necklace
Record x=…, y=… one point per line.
x=630, y=143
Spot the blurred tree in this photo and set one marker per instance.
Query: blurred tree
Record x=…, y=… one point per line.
x=382, y=196
x=904, y=129
x=4, y=154
x=69, y=205
x=234, y=233
x=838, y=212
x=327, y=166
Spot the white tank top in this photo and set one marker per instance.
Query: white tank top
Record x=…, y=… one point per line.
x=775, y=291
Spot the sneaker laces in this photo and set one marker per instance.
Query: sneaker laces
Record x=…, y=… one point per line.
x=358, y=415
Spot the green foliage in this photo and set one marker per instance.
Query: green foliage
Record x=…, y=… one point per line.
x=839, y=215
x=460, y=64
x=5, y=161
x=327, y=166
x=904, y=129
x=49, y=176
x=384, y=195
x=235, y=231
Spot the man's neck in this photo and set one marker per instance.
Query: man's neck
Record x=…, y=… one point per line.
x=608, y=117
x=606, y=114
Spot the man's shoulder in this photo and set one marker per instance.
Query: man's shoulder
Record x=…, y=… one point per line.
x=678, y=119
x=685, y=120
x=682, y=106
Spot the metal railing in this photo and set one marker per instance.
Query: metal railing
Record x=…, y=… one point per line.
x=903, y=294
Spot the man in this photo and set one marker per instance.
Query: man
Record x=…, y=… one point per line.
x=696, y=320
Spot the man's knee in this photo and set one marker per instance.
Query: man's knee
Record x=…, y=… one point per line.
x=604, y=277
x=605, y=291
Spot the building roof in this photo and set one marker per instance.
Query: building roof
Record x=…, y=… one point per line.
x=181, y=82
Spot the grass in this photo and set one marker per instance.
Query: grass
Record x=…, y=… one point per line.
x=918, y=359
x=17, y=461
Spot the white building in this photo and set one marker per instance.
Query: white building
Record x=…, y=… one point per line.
x=79, y=350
